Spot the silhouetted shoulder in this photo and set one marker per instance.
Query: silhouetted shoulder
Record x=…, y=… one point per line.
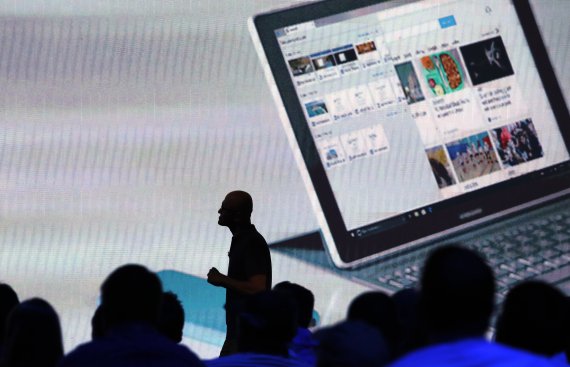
x=254, y=360
x=147, y=348
x=471, y=353
x=254, y=237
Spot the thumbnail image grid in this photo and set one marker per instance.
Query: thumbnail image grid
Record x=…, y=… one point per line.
x=487, y=60
x=443, y=72
x=473, y=156
x=300, y=66
x=517, y=143
x=440, y=167
x=410, y=83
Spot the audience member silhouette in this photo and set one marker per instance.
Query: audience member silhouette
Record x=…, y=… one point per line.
x=249, y=269
x=171, y=317
x=8, y=300
x=457, y=294
x=411, y=330
x=130, y=301
x=98, y=328
x=33, y=336
x=534, y=318
x=378, y=310
x=267, y=324
x=351, y=344
x=456, y=303
x=302, y=347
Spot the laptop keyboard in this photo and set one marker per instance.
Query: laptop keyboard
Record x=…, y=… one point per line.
x=532, y=245
x=536, y=248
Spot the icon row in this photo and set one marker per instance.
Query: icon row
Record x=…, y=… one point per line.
x=352, y=146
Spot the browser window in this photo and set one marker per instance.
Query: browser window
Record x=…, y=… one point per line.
x=417, y=104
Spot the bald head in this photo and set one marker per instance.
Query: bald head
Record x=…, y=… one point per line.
x=236, y=209
x=240, y=201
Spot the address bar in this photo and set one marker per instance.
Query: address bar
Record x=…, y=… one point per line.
x=412, y=8
x=412, y=31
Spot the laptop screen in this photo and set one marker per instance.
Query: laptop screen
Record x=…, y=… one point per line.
x=412, y=104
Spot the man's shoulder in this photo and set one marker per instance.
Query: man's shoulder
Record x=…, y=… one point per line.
x=254, y=235
x=250, y=241
x=248, y=237
x=88, y=354
x=117, y=352
x=254, y=359
x=470, y=353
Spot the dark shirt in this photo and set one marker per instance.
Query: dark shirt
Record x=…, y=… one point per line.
x=254, y=360
x=471, y=353
x=249, y=256
x=129, y=346
x=302, y=347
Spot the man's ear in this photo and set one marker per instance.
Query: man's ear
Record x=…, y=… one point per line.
x=313, y=322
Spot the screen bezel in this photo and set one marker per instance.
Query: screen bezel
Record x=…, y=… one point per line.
x=445, y=215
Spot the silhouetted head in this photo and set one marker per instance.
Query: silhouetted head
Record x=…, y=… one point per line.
x=171, y=317
x=534, y=318
x=8, y=300
x=303, y=298
x=236, y=209
x=378, y=310
x=33, y=335
x=131, y=293
x=412, y=333
x=98, y=327
x=351, y=344
x=267, y=324
x=457, y=293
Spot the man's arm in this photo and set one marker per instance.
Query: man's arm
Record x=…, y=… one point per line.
x=254, y=284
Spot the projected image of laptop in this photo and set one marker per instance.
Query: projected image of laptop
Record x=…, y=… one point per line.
x=416, y=121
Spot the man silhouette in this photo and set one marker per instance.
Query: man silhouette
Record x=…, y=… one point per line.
x=249, y=269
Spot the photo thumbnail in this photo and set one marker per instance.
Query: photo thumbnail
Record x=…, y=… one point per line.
x=376, y=139
x=440, y=167
x=316, y=108
x=473, y=156
x=323, y=62
x=360, y=99
x=338, y=105
x=487, y=60
x=332, y=154
x=366, y=47
x=345, y=56
x=301, y=66
x=517, y=143
x=410, y=83
x=443, y=72
x=354, y=145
